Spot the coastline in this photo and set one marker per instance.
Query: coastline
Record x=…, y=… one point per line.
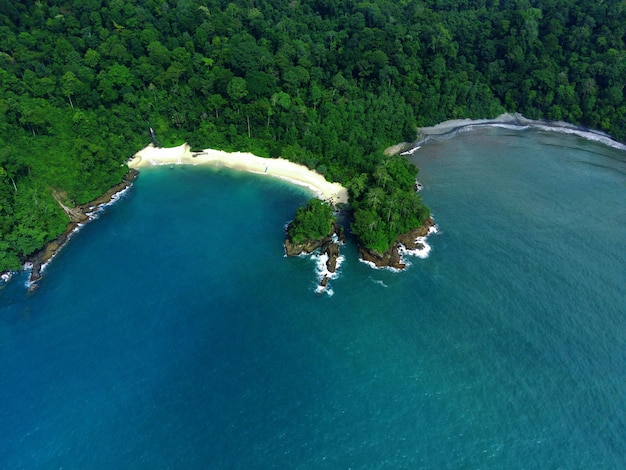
x=514, y=121
x=38, y=260
x=280, y=168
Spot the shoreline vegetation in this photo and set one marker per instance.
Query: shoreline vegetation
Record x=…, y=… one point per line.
x=79, y=216
x=300, y=175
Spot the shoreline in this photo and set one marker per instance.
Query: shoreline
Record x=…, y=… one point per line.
x=516, y=121
x=38, y=261
x=280, y=168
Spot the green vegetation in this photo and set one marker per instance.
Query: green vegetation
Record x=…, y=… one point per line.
x=385, y=204
x=328, y=83
x=311, y=222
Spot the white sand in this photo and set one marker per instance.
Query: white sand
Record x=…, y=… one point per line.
x=276, y=167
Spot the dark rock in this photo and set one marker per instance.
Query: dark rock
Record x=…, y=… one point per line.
x=309, y=246
x=293, y=249
x=392, y=258
x=35, y=273
x=408, y=239
x=332, y=250
x=50, y=249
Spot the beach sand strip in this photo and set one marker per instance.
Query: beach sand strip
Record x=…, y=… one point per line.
x=274, y=167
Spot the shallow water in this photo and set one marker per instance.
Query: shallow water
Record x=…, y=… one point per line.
x=173, y=333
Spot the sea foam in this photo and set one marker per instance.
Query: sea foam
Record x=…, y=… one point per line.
x=321, y=271
x=95, y=211
x=449, y=129
x=422, y=252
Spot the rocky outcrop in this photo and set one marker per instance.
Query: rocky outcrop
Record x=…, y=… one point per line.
x=328, y=245
x=409, y=239
x=331, y=248
x=392, y=257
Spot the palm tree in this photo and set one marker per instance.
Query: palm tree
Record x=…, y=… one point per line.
x=381, y=175
x=374, y=197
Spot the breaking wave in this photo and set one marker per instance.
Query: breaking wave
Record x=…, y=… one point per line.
x=448, y=129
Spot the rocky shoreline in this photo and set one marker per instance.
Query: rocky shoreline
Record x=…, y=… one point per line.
x=392, y=258
x=328, y=245
x=80, y=215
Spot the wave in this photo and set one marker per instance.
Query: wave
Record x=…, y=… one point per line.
x=43, y=266
x=411, y=151
x=386, y=268
x=424, y=249
x=422, y=252
x=95, y=211
x=325, y=290
x=379, y=282
x=322, y=272
x=93, y=214
x=448, y=129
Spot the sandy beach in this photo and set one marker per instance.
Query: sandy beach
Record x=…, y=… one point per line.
x=275, y=167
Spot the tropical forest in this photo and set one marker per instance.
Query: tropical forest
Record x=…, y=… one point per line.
x=326, y=83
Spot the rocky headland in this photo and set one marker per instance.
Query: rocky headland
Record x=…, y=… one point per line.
x=328, y=245
x=78, y=215
x=392, y=258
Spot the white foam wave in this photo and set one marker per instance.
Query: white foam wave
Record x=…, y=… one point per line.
x=6, y=277
x=411, y=151
x=28, y=267
x=324, y=290
x=421, y=252
x=448, y=129
x=423, y=249
x=69, y=236
x=585, y=134
x=385, y=268
x=322, y=272
x=512, y=127
x=94, y=212
x=320, y=266
x=92, y=215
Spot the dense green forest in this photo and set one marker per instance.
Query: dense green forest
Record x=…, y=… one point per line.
x=314, y=221
x=328, y=83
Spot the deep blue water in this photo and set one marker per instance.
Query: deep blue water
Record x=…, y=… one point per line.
x=171, y=332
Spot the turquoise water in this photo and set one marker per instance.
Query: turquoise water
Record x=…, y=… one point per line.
x=171, y=332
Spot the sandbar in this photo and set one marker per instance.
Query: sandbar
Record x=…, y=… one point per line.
x=274, y=167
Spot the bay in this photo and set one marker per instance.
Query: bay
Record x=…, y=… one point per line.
x=172, y=332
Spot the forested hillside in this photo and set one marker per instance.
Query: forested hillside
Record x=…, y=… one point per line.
x=325, y=82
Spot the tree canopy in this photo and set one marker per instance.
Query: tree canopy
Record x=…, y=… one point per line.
x=327, y=83
x=313, y=221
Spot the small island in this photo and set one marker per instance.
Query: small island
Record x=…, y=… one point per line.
x=315, y=227
x=388, y=217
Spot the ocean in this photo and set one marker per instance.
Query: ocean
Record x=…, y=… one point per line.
x=172, y=332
